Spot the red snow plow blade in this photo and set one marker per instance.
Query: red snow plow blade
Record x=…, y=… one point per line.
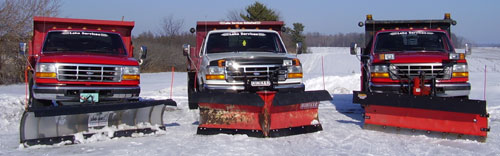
x=462, y=117
x=261, y=114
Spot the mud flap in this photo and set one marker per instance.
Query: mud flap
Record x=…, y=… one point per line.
x=447, y=115
x=261, y=114
x=51, y=125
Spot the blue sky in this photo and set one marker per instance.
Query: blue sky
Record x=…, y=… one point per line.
x=478, y=21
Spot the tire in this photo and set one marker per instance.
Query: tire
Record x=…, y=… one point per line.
x=365, y=83
x=35, y=103
x=191, y=90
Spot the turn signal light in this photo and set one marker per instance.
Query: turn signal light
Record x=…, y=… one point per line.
x=462, y=56
x=220, y=63
x=380, y=75
x=294, y=75
x=460, y=74
x=45, y=75
x=296, y=62
x=131, y=77
x=215, y=77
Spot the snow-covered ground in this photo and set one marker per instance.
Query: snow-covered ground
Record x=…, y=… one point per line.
x=341, y=120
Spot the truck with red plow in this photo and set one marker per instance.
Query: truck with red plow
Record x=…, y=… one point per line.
x=82, y=77
x=244, y=81
x=413, y=78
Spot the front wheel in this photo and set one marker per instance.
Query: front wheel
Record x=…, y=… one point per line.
x=365, y=82
x=191, y=90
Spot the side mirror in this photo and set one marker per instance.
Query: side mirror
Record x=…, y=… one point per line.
x=186, y=49
x=298, y=48
x=143, y=52
x=468, y=49
x=355, y=50
x=22, y=48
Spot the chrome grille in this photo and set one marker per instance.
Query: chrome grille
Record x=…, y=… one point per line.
x=86, y=72
x=433, y=70
x=253, y=72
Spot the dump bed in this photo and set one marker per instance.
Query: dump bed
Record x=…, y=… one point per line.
x=42, y=25
x=372, y=26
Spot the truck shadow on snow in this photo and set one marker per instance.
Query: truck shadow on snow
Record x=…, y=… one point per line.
x=343, y=104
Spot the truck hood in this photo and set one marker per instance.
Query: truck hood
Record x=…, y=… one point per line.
x=415, y=57
x=248, y=55
x=87, y=58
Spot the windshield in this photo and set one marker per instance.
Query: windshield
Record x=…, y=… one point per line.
x=420, y=41
x=244, y=42
x=84, y=41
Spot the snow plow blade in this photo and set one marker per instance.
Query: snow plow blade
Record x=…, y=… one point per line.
x=459, y=117
x=261, y=114
x=52, y=125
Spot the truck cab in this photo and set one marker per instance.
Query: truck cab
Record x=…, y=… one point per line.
x=241, y=57
x=398, y=51
x=80, y=60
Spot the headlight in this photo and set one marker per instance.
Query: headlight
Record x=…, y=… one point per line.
x=131, y=70
x=460, y=70
x=295, y=72
x=131, y=73
x=287, y=62
x=215, y=73
x=46, y=67
x=215, y=70
x=380, y=71
x=232, y=64
x=295, y=69
x=46, y=70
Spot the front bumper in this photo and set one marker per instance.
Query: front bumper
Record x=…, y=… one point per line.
x=294, y=87
x=442, y=89
x=72, y=93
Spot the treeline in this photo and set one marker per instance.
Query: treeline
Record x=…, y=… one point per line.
x=317, y=39
x=164, y=52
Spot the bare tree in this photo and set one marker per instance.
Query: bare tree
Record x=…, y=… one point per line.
x=234, y=15
x=171, y=26
x=16, y=26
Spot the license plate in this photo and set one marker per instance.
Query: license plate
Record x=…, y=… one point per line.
x=89, y=97
x=260, y=83
x=309, y=105
x=98, y=119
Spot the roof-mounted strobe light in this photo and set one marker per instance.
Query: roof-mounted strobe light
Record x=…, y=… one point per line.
x=447, y=16
x=369, y=17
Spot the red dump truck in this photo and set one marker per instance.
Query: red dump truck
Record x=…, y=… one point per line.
x=73, y=57
x=82, y=75
x=413, y=77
